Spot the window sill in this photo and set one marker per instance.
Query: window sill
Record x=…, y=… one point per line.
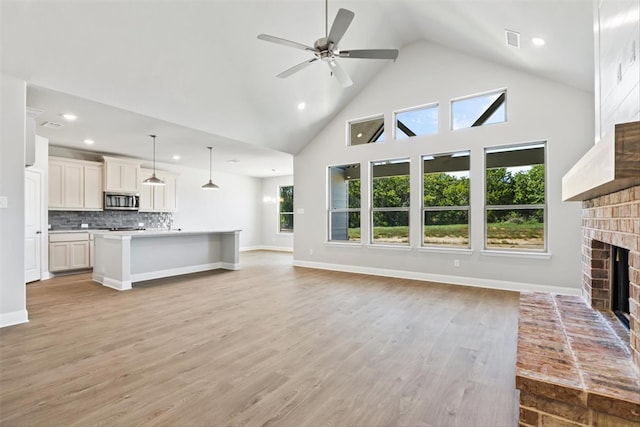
x=344, y=244
x=516, y=254
x=287, y=233
x=390, y=247
x=445, y=250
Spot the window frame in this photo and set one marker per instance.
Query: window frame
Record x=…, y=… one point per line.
x=424, y=209
x=365, y=119
x=478, y=95
x=346, y=210
x=430, y=105
x=544, y=206
x=280, y=213
x=373, y=209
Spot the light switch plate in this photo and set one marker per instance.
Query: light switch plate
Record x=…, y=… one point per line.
x=300, y=211
x=84, y=225
x=3, y=202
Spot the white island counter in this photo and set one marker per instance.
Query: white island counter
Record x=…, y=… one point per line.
x=125, y=257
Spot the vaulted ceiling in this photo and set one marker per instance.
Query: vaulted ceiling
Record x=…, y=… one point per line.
x=194, y=72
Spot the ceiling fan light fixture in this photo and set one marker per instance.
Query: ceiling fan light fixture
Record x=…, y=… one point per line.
x=210, y=185
x=153, y=179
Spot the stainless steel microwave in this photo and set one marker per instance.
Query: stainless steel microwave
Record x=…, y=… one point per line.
x=121, y=202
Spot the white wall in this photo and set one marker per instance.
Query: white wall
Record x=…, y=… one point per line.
x=537, y=109
x=13, y=95
x=236, y=205
x=271, y=238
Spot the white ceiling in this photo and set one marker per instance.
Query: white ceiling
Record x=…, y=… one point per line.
x=194, y=73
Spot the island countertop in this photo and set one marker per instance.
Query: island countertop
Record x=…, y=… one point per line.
x=159, y=233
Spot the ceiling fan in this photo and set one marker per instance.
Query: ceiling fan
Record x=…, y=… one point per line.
x=326, y=49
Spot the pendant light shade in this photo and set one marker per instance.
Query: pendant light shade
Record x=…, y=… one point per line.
x=153, y=179
x=210, y=185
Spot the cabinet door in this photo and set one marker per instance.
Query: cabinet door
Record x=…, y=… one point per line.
x=131, y=178
x=79, y=254
x=170, y=194
x=59, y=256
x=146, y=192
x=159, y=194
x=73, y=186
x=113, y=176
x=56, y=187
x=92, y=187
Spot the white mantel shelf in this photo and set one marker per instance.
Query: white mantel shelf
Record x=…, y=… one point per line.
x=611, y=165
x=125, y=257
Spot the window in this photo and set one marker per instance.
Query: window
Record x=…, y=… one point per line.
x=416, y=121
x=515, y=197
x=286, y=209
x=344, y=203
x=390, y=202
x=445, y=211
x=479, y=110
x=366, y=131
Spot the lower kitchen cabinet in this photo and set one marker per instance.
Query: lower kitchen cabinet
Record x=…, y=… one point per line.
x=69, y=251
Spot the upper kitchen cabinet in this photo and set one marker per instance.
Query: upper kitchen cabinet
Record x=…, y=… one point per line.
x=159, y=198
x=74, y=184
x=121, y=175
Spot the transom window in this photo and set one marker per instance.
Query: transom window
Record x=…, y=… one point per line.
x=390, y=202
x=344, y=203
x=515, y=197
x=479, y=110
x=416, y=121
x=285, y=208
x=366, y=131
x=445, y=210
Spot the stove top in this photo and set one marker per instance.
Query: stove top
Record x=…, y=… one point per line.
x=126, y=229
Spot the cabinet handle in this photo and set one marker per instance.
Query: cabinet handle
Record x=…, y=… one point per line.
x=38, y=232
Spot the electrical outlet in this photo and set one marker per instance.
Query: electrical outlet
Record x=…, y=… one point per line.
x=4, y=203
x=310, y=251
x=141, y=224
x=84, y=225
x=456, y=263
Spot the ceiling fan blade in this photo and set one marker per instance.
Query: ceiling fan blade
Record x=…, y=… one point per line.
x=370, y=54
x=296, y=68
x=340, y=25
x=285, y=42
x=340, y=74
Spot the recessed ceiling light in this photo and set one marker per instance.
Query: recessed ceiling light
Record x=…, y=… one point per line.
x=88, y=141
x=359, y=135
x=69, y=116
x=537, y=41
x=302, y=106
x=176, y=157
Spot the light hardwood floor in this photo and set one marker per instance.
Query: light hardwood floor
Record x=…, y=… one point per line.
x=269, y=344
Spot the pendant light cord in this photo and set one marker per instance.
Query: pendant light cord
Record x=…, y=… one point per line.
x=210, y=161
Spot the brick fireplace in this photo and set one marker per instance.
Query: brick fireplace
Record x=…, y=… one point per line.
x=607, y=221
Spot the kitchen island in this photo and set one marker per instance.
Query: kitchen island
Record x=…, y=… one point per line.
x=126, y=257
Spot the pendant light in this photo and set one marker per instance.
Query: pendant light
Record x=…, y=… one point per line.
x=153, y=179
x=210, y=185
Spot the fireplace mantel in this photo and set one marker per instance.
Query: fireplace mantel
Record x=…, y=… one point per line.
x=609, y=166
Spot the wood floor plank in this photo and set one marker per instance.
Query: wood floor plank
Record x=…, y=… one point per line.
x=269, y=344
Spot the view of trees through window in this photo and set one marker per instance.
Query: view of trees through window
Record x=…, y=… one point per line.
x=515, y=198
x=446, y=199
x=344, y=203
x=286, y=209
x=390, y=201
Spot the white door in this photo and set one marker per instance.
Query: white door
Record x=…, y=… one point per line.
x=33, y=223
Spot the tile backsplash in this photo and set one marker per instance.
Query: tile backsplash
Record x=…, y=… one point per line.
x=71, y=220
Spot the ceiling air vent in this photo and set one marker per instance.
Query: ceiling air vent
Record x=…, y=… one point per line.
x=51, y=125
x=513, y=38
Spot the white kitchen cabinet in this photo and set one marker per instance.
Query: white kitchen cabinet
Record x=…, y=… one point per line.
x=159, y=198
x=69, y=251
x=121, y=175
x=74, y=184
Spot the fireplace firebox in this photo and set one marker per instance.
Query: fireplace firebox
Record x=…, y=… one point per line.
x=620, y=284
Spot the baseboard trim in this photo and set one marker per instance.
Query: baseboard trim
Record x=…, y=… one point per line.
x=439, y=278
x=13, y=318
x=266, y=248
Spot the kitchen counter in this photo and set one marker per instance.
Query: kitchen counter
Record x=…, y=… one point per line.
x=125, y=257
